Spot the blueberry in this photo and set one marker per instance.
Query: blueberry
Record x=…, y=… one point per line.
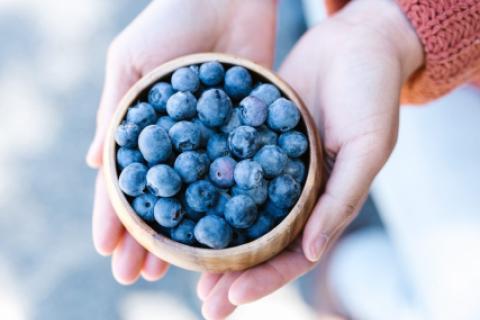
x=266, y=136
x=183, y=232
x=126, y=134
x=233, y=122
x=205, y=132
x=296, y=169
x=253, y=111
x=240, y=211
x=185, y=136
x=294, y=143
x=126, y=156
x=132, y=179
x=283, y=115
x=238, y=82
x=212, y=231
x=191, y=166
x=165, y=122
x=214, y=107
x=262, y=225
x=275, y=212
x=284, y=191
x=189, y=212
x=154, y=144
x=185, y=79
x=201, y=196
x=259, y=193
x=221, y=172
x=266, y=92
x=248, y=174
x=159, y=94
x=219, y=208
x=168, y=212
x=217, y=146
x=243, y=142
x=163, y=181
x=143, y=206
x=238, y=238
x=272, y=159
x=182, y=106
x=211, y=73
x=142, y=114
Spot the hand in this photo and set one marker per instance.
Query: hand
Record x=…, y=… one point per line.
x=349, y=71
x=165, y=30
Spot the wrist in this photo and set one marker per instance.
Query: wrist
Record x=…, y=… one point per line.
x=387, y=19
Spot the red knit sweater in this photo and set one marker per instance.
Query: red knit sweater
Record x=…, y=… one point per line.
x=450, y=33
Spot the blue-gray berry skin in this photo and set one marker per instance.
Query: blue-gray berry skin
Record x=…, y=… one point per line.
x=163, y=181
x=219, y=208
x=213, y=232
x=238, y=82
x=266, y=92
x=234, y=121
x=275, y=212
x=191, y=166
x=238, y=238
x=240, y=211
x=201, y=195
x=158, y=96
x=266, y=136
x=283, y=115
x=168, y=212
x=214, y=107
x=243, y=142
x=262, y=225
x=284, y=191
x=143, y=206
x=189, y=212
x=296, y=169
x=217, y=146
x=154, y=144
x=248, y=174
x=211, y=73
x=185, y=79
x=259, y=194
x=185, y=136
x=253, y=111
x=126, y=134
x=205, y=132
x=222, y=172
x=183, y=232
x=132, y=179
x=126, y=156
x=294, y=143
x=272, y=159
x=182, y=106
x=142, y=114
x=165, y=122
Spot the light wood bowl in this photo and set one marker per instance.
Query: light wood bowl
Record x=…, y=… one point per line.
x=202, y=259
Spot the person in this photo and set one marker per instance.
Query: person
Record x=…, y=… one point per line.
x=351, y=70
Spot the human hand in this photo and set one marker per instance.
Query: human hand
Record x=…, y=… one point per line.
x=164, y=30
x=349, y=71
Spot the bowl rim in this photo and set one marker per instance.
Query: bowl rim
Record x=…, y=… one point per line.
x=136, y=226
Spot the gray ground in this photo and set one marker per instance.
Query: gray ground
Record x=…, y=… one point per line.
x=51, y=72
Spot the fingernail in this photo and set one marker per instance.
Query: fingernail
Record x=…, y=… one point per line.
x=318, y=247
x=91, y=156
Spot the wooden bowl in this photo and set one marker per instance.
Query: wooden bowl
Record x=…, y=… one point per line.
x=202, y=259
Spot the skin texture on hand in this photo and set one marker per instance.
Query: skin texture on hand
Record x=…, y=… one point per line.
x=349, y=71
x=165, y=30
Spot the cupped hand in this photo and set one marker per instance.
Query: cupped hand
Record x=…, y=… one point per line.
x=164, y=30
x=349, y=71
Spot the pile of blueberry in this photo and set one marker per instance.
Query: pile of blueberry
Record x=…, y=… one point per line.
x=215, y=158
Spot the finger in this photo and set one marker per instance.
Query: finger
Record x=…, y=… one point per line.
x=206, y=283
x=264, y=279
x=106, y=227
x=153, y=268
x=127, y=260
x=217, y=305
